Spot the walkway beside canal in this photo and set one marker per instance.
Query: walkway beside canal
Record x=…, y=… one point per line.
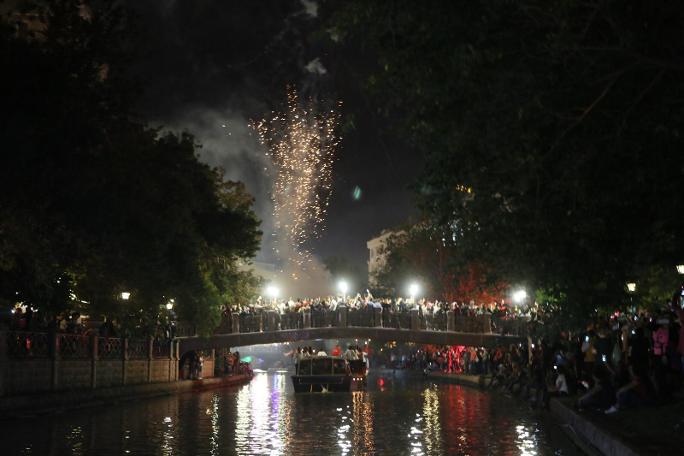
x=657, y=430
x=42, y=403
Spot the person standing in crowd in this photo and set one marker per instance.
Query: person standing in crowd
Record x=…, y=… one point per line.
x=350, y=354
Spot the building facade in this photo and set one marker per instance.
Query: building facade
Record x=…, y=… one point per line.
x=377, y=257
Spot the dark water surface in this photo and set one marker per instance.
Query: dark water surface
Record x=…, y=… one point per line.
x=406, y=416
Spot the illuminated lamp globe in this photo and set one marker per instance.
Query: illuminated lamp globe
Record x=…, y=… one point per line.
x=519, y=296
x=413, y=289
x=272, y=291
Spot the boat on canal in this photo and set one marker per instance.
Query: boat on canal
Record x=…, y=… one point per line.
x=321, y=374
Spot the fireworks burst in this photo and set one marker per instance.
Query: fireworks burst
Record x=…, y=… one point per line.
x=301, y=145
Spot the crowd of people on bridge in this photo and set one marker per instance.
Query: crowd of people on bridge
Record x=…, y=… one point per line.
x=394, y=311
x=289, y=314
x=397, y=304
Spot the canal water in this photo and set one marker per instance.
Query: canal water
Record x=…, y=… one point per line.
x=398, y=415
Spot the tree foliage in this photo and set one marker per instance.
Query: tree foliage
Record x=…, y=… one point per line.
x=92, y=201
x=552, y=130
x=420, y=253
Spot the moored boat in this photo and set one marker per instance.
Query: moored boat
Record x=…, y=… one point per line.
x=328, y=374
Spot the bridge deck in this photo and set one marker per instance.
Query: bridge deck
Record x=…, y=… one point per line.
x=374, y=333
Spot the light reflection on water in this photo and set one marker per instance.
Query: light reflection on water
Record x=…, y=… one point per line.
x=407, y=417
x=432, y=437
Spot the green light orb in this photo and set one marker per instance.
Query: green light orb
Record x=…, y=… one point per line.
x=356, y=194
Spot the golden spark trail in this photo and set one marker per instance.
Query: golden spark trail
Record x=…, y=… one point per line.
x=301, y=145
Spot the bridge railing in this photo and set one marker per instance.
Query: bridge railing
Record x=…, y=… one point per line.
x=361, y=317
x=433, y=321
x=291, y=320
x=321, y=318
x=33, y=361
x=402, y=319
x=373, y=317
x=251, y=323
x=28, y=344
x=21, y=345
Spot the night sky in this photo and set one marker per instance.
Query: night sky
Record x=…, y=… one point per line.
x=209, y=66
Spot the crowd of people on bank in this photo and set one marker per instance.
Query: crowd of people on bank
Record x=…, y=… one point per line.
x=225, y=363
x=25, y=318
x=621, y=361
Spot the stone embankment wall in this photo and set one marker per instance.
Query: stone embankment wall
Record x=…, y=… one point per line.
x=38, y=362
x=590, y=437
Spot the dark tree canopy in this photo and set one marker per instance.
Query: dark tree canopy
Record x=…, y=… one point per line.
x=92, y=201
x=552, y=130
x=430, y=257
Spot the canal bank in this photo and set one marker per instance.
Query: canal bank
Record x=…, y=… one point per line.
x=49, y=402
x=591, y=435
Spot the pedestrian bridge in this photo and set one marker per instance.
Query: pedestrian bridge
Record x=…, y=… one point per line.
x=443, y=328
x=379, y=334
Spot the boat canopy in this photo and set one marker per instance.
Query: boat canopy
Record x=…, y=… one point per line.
x=322, y=365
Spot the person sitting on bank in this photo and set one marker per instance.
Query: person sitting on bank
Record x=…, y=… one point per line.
x=638, y=392
x=602, y=395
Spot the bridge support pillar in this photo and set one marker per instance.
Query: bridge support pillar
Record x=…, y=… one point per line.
x=234, y=323
x=451, y=321
x=306, y=318
x=415, y=320
x=342, y=316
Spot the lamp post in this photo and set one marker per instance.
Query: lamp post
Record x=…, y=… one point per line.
x=631, y=289
x=170, y=318
x=343, y=287
x=125, y=295
x=519, y=296
x=413, y=290
x=272, y=292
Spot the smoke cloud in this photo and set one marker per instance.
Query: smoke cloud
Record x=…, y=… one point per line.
x=217, y=73
x=228, y=142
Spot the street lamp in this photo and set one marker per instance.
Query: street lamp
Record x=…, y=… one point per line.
x=680, y=268
x=125, y=295
x=631, y=288
x=519, y=296
x=343, y=286
x=413, y=290
x=272, y=292
x=169, y=305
